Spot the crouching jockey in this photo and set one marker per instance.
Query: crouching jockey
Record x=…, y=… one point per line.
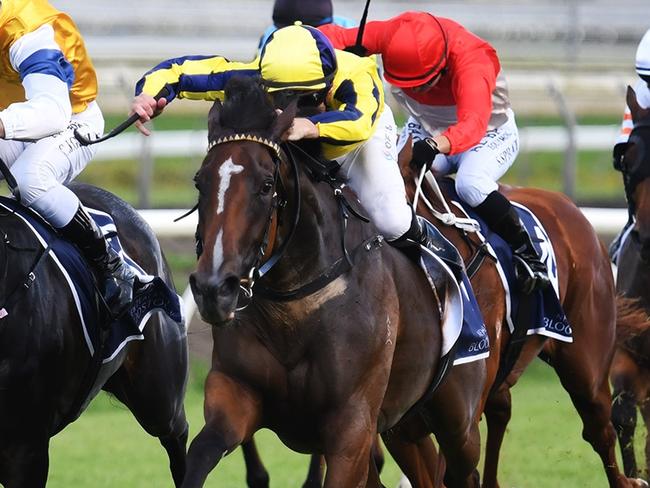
x=451, y=84
x=353, y=124
x=48, y=88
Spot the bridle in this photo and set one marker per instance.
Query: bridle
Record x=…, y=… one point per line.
x=279, y=202
x=319, y=172
x=639, y=170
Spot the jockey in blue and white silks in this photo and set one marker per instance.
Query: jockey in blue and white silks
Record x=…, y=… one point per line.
x=48, y=88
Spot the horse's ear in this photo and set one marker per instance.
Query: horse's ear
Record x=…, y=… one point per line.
x=284, y=120
x=213, y=119
x=404, y=157
x=630, y=98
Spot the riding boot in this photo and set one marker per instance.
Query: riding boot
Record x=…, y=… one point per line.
x=417, y=236
x=115, y=278
x=502, y=218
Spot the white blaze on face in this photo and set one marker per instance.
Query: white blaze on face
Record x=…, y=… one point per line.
x=228, y=168
x=217, y=252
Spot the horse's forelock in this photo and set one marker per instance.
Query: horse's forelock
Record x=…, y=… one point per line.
x=246, y=108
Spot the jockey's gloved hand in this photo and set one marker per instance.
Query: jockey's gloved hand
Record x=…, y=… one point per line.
x=356, y=49
x=424, y=152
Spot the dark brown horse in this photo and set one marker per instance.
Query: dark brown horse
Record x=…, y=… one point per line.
x=323, y=354
x=630, y=375
x=587, y=296
x=44, y=360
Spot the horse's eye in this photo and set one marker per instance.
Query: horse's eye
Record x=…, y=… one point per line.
x=267, y=186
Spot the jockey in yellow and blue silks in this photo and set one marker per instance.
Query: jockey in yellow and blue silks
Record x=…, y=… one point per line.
x=355, y=127
x=48, y=88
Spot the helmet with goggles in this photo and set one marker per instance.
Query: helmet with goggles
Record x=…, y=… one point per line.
x=298, y=58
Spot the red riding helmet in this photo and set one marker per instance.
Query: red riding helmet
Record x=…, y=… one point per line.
x=416, y=49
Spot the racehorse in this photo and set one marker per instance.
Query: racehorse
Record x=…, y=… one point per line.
x=630, y=369
x=45, y=364
x=327, y=350
x=587, y=296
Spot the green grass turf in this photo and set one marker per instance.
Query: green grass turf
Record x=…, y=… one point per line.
x=106, y=448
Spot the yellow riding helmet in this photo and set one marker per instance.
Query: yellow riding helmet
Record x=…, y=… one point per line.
x=297, y=57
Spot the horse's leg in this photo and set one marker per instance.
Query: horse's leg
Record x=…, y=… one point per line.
x=28, y=465
x=408, y=457
x=315, y=473
x=645, y=412
x=378, y=454
x=498, y=410
x=256, y=474
x=155, y=396
x=373, y=473
x=232, y=415
x=454, y=414
x=348, y=444
x=583, y=373
x=624, y=421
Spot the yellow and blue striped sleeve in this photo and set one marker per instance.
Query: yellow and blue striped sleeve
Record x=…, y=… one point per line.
x=194, y=77
x=352, y=111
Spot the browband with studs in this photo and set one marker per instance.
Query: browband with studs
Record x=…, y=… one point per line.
x=247, y=137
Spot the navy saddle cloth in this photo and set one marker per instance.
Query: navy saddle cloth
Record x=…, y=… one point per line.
x=547, y=316
x=152, y=292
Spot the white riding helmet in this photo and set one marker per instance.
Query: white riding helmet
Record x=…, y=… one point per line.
x=643, y=56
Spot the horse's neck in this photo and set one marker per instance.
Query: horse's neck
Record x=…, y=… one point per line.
x=316, y=241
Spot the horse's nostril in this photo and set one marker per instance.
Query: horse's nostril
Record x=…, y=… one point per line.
x=229, y=286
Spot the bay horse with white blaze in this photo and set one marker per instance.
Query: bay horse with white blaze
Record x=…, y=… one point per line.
x=45, y=362
x=325, y=353
x=587, y=296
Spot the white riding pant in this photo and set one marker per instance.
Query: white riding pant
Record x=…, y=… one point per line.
x=41, y=168
x=371, y=170
x=480, y=167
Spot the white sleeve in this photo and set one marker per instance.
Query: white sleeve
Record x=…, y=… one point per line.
x=642, y=93
x=46, y=76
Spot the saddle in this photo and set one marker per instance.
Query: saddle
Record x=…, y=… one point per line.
x=154, y=294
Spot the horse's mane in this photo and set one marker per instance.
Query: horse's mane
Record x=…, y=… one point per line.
x=633, y=329
x=246, y=106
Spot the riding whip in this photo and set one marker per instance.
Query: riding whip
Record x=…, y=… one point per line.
x=358, y=48
x=87, y=141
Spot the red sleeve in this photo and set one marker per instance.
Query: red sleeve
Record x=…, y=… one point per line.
x=472, y=86
x=373, y=35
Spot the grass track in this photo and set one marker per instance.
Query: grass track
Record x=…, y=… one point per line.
x=106, y=448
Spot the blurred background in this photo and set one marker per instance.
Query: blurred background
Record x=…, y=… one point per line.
x=568, y=63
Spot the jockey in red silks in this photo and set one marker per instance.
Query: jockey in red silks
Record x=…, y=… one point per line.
x=451, y=84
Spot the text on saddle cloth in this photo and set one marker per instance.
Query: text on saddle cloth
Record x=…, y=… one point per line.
x=153, y=293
